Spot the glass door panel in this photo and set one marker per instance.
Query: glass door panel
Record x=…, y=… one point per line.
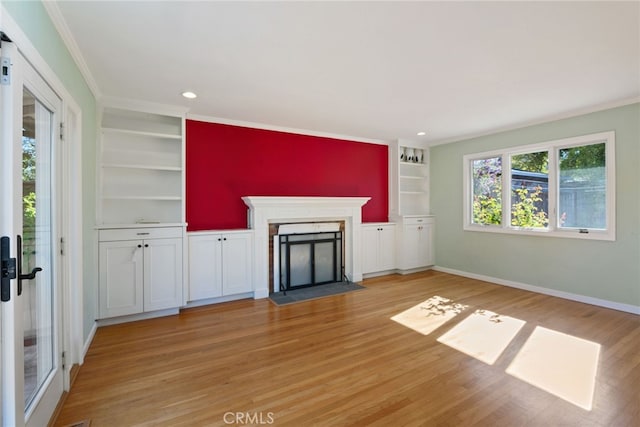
x=37, y=244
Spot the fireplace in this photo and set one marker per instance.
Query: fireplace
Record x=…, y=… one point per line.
x=264, y=211
x=307, y=255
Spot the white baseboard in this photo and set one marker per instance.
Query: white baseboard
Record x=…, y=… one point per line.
x=378, y=274
x=87, y=342
x=629, y=308
x=395, y=271
x=209, y=301
x=261, y=293
x=415, y=270
x=139, y=316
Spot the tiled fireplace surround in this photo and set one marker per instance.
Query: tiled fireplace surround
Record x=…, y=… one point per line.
x=267, y=210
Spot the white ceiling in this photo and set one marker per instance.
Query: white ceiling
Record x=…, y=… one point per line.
x=373, y=70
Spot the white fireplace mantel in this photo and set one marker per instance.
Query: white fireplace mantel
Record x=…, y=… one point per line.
x=264, y=210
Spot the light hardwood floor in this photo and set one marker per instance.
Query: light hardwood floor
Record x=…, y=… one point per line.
x=341, y=361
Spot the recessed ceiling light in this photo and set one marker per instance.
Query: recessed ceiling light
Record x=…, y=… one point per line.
x=422, y=133
x=189, y=95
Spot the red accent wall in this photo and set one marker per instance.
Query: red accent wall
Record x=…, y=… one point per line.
x=225, y=163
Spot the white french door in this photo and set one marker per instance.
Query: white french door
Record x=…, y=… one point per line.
x=30, y=313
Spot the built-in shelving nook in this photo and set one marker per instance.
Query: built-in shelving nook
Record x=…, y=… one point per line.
x=409, y=205
x=141, y=168
x=409, y=166
x=140, y=215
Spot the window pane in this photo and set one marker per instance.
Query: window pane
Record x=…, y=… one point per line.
x=583, y=201
x=530, y=190
x=487, y=191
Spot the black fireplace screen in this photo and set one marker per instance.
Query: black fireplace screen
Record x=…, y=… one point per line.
x=310, y=259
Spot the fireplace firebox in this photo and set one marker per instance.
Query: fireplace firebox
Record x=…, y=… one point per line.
x=310, y=259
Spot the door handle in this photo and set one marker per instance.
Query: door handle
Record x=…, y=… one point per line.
x=28, y=276
x=11, y=268
x=8, y=269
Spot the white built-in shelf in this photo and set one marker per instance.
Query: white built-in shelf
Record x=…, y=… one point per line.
x=140, y=122
x=147, y=155
x=141, y=168
x=412, y=155
x=140, y=225
x=143, y=197
x=176, y=138
x=410, y=178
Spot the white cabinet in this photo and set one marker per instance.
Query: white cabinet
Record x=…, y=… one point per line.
x=220, y=264
x=141, y=162
x=416, y=243
x=205, y=266
x=140, y=270
x=379, y=247
x=409, y=204
x=162, y=273
x=140, y=215
x=121, y=275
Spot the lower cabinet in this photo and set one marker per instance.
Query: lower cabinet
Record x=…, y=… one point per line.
x=416, y=243
x=378, y=247
x=220, y=264
x=140, y=270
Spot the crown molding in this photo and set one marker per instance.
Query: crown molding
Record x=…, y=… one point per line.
x=276, y=128
x=539, y=121
x=67, y=37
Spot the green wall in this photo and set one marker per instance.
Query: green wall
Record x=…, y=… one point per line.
x=597, y=269
x=37, y=26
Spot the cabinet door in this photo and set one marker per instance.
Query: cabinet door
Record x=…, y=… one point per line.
x=121, y=276
x=370, y=249
x=417, y=251
x=162, y=274
x=412, y=247
x=387, y=248
x=236, y=263
x=427, y=237
x=205, y=266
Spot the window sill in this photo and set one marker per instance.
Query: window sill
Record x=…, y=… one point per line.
x=569, y=234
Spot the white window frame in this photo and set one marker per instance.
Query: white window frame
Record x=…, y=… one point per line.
x=552, y=230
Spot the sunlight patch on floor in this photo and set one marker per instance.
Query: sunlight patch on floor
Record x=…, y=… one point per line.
x=429, y=315
x=560, y=364
x=483, y=335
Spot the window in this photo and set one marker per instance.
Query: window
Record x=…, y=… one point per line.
x=583, y=187
x=562, y=188
x=487, y=191
x=530, y=190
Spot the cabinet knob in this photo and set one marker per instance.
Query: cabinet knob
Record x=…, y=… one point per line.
x=139, y=246
x=219, y=239
x=146, y=245
x=224, y=238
